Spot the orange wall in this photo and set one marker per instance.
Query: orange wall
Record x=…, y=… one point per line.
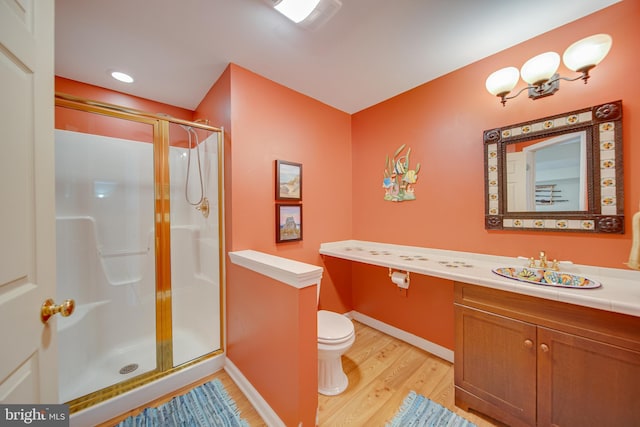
x=443, y=122
x=269, y=122
x=269, y=341
x=271, y=328
x=425, y=309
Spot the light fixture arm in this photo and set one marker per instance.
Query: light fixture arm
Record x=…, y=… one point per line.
x=584, y=76
x=546, y=88
x=504, y=97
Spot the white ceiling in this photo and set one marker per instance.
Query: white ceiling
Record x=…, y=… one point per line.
x=369, y=51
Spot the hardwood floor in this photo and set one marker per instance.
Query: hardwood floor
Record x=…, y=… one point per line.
x=381, y=371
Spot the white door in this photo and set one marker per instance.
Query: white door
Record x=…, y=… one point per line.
x=516, y=182
x=28, y=355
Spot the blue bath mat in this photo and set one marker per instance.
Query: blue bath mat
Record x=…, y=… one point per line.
x=418, y=411
x=208, y=405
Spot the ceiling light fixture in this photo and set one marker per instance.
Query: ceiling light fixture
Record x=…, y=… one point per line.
x=540, y=73
x=310, y=14
x=296, y=10
x=126, y=78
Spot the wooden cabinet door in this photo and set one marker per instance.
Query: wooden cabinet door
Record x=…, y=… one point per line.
x=495, y=360
x=585, y=383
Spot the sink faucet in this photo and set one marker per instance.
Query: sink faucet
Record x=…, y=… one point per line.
x=543, y=262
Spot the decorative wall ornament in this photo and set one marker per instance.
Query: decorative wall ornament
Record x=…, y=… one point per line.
x=399, y=178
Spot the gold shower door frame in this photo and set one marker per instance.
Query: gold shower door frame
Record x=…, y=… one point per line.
x=162, y=225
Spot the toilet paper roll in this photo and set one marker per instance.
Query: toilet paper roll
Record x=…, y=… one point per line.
x=400, y=279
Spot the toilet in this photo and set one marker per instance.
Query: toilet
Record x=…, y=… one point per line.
x=335, y=336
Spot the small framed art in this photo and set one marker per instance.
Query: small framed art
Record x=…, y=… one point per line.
x=288, y=223
x=288, y=181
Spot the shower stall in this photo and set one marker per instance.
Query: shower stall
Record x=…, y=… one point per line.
x=139, y=247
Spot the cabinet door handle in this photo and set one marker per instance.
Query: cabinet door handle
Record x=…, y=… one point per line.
x=544, y=347
x=528, y=343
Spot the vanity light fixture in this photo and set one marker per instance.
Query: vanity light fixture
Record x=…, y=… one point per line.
x=540, y=73
x=125, y=78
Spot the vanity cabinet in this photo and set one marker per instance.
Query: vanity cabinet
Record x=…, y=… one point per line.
x=528, y=361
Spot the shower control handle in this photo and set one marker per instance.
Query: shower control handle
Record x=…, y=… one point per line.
x=204, y=207
x=49, y=308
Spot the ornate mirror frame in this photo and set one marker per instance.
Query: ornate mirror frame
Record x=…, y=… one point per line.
x=605, y=210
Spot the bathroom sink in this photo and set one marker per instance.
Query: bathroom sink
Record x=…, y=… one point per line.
x=541, y=276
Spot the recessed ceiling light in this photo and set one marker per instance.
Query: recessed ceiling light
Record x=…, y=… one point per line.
x=126, y=78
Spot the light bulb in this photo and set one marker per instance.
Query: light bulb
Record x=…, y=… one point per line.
x=122, y=77
x=503, y=81
x=587, y=53
x=540, y=68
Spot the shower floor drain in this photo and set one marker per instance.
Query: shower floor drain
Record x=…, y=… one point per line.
x=127, y=369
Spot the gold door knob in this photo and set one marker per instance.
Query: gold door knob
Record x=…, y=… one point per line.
x=49, y=308
x=528, y=343
x=544, y=348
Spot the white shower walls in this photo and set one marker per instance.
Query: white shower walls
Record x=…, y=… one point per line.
x=106, y=260
x=195, y=271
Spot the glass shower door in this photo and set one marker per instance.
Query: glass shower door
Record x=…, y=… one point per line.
x=195, y=242
x=105, y=250
x=139, y=246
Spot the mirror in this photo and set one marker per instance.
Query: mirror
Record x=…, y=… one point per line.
x=557, y=173
x=547, y=174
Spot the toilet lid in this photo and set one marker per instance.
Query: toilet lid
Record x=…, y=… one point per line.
x=333, y=326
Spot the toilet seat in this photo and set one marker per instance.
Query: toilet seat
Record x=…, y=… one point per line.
x=333, y=328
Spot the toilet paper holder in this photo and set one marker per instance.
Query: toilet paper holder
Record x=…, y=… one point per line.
x=399, y=278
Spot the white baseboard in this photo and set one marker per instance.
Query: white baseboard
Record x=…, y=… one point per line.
x=414, y=340
x=268, y=415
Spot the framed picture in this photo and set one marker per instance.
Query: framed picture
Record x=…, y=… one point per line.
x=288, y=222
x=288, y=181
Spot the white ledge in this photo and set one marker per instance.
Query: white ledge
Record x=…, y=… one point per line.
x=295, y=273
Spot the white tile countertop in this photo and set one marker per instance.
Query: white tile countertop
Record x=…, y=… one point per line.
x=620, y=290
